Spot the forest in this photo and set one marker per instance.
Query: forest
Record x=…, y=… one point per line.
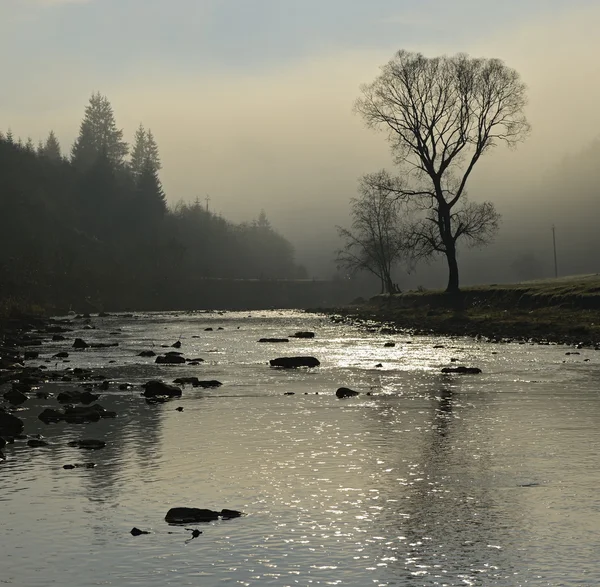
x=92, y=229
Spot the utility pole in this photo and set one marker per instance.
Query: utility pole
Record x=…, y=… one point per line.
x=554, y=247
x=207, y=201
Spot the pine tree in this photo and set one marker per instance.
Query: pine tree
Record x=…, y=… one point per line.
x=151, y=199
x=98, y=133
x=29, y=145
x=138, y=154
x=52, y=147
x=152, y=151
x=9, y=137
x=145, y=152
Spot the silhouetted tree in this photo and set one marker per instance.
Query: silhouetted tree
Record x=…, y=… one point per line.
x=145, y=152
x=441, y=115
x=150, y=197
x=51, y=148
x=98, y=134
x=378, y=240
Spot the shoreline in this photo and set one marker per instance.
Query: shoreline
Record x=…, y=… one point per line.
x=563, y=311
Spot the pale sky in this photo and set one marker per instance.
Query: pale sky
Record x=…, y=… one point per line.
x=251, y=100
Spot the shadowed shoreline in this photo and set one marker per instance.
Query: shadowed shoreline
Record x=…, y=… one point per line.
x=565, y=310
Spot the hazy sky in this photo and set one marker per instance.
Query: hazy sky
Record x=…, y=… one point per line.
x=251, y=100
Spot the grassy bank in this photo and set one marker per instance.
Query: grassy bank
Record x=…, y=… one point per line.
x=554, y=310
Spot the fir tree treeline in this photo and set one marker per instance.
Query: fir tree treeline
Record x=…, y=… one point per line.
x=93, y=229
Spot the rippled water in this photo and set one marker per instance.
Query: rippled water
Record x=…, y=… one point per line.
x=487, y=480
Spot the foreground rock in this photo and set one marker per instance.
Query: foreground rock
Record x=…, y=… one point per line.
x=304, y=335
x=208, y=384
x=156, y=388
x=170, y=359
x=76, y=414
x=10, y=425
x=197, y=515
x=274, y=340
x=76, y=397
x=294, y=362
x=15, y=397
x=462, y=370
x=343, y=392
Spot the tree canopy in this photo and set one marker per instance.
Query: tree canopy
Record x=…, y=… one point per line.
x=94, y=230
x=441, y=115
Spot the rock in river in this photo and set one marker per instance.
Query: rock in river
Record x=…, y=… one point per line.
x=197, y=515
x=170, y=359
x=10, y=425
x=343, y=392
x=158, y=388
x=462, y=370
x=293, y=362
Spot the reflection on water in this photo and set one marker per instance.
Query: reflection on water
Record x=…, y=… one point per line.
x=432, y=480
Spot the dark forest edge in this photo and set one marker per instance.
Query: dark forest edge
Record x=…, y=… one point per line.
x=564, y=310
x=92, y=231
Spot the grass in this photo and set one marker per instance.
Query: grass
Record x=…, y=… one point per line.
x=559, y=310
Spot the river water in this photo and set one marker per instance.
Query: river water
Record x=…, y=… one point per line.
x=433, y=479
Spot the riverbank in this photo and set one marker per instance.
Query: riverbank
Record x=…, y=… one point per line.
x=563, y=310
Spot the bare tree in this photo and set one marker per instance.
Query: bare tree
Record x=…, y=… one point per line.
x=376, y=242
x=441, y=115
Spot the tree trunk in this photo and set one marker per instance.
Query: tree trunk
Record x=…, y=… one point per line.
x=452, y=269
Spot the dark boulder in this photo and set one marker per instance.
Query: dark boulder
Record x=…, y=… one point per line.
x=61, y=355
x=58, y=337
x=10, y=425
x=208, y=384
x=84, y=414
x=294, y=362
x=187, y=381
x=197, y=515
x=76, y=397
x=170, y=359
x=138, y=532
x=158, y=388
x=176, y=345
x=50, y=416
x=389, y=344
x=103, y=345
x=147, y=354
x=80, y=344
x=343, y=392
x=36, y=443
x=462, y=370
x=274, y=340
x=304, y=335
x=30, y=355
x=15, y=397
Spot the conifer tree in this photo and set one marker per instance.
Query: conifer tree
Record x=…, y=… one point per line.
x=138, y=154
x=9, y=137
x=29, y=145
x=98, y=134
x=145, y=151
x=150, y=195
x=51, y=149
x=152, y=151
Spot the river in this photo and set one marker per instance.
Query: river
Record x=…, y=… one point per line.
x=433, y=479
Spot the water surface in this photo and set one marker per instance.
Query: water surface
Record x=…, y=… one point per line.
x=432, y=479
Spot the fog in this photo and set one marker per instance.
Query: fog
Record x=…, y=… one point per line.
x=286, y=140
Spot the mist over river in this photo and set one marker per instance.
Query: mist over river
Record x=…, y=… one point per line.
x=433, y=479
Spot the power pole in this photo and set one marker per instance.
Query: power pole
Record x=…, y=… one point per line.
x=554, y=247
x=207, y=201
